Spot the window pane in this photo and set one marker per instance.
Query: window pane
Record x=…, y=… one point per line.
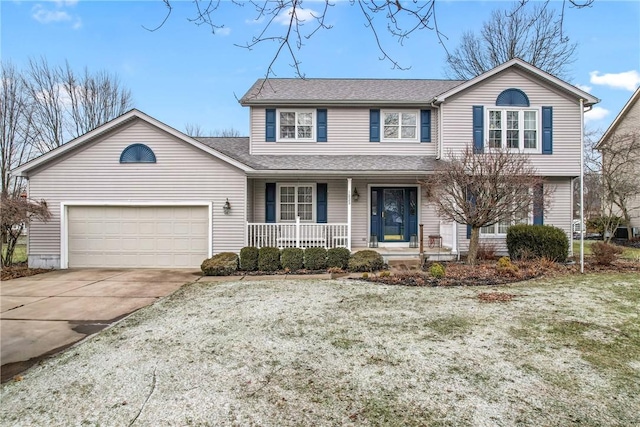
x=305, y=119
x=503, y=225
x=512, y=138
x=287, y=212
x=530, y=138
x=495, y=138
x=305, y=212
x=391, y=131
x=408, y=119
x=491, y=229
x=391, y=119
x=495, y=129
x=409, y=132
x=495, y=120
x=512, y=120
x=287, y=131
x=530, y=120
x=304, y=131
x=288, y=118
x=287, y=194
x=305, y=194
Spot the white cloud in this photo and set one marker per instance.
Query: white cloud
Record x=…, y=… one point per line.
x=62, y=3
x=584, y=88
x=302, y=15
x=254, y=21
x=45, y=16
x=628, y=80
x=224, y=31
x=596, y=113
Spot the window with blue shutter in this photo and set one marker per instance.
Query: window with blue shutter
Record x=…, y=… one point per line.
x=321, y=130
x=547, y=130
x=321, y=204
x=425, y=125
x=137, y=153
x=270, y=202
x=374, y=125
x=478, y=128
x=270, y=130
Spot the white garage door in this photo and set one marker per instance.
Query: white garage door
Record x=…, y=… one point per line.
x=137, y=236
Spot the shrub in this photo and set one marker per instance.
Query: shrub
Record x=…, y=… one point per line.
x=385, y=273
x=292, y=259
x=506, y=267
x=366, y=260
x=605, y=253
x=537, y=241
x=338, y=257
x=222, y=264
x=486, y=251
x=315, y=258
x=249, y=258
x=268, y=258
x=437, y=270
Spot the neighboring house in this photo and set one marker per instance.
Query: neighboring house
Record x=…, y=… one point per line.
x=329, y=162
x=620, y=148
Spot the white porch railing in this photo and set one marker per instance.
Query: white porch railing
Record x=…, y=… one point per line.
x=298, y=235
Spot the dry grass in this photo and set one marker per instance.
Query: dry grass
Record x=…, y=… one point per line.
x=562, y=351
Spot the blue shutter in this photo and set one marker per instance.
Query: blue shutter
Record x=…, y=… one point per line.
x=547, y=130
x=425, y=125
x=270, y=130
x=538, y=205
x=321, y=120
x=374, y=125
x=468, y=231
x=471, y=198
x=270, y=202
x=478, y=128
x=321, y=204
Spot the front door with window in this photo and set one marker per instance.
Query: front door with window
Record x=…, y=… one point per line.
x=394, y=213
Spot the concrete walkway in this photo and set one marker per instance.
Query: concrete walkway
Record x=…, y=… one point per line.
x=42, y=314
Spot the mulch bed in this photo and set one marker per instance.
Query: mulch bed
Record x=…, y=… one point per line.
x=485, y=273
x=20, y=270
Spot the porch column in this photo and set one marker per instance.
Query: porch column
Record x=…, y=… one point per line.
x=454, y=244
x=349, y=213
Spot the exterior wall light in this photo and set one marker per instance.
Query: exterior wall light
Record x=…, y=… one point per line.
x=355, y=195
x=226, y=207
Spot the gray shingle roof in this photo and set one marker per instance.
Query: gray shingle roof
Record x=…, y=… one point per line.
x=238, y=149
x=341, y=91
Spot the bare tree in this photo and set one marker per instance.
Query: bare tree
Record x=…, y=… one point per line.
x=194, y=130
x=15, y=214
x=16, y=120
x=67, y=105
x=393, y=18
x=482, y=189
x=227, y=132
x=533, y=34
x=620, y=177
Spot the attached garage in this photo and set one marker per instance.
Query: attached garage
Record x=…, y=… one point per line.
x=137, y=236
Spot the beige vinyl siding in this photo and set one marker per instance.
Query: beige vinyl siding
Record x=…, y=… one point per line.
x=93, y=173
x=347, y=133
x=558, y=212
x=565, y=160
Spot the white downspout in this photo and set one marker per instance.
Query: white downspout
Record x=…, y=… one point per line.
x=439, y=147
x=581, y=186
x=349, y=213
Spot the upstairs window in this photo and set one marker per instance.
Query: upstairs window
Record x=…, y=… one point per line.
x=137, y=153
x=400, y=125
x=514, y=129
x=296, y=125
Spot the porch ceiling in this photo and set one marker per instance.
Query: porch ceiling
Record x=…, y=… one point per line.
x=238, y=149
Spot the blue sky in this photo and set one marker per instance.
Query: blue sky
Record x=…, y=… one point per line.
x=182, y=73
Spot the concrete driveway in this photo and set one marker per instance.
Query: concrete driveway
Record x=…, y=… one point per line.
x=42, y=314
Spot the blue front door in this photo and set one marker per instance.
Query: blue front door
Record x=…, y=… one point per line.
x=394, y=213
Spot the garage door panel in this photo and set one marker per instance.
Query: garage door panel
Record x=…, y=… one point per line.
x=128, y=236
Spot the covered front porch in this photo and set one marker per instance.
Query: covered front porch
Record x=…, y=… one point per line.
x=385, y=213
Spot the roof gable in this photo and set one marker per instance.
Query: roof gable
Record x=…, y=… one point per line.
x=127, y=117
x=620, y=117
x=530, y=69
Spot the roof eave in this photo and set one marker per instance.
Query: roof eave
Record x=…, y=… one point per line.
x=324, y=102
x=276, y=172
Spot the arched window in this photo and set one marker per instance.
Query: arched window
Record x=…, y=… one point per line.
x=137, y=153
x=512, y=98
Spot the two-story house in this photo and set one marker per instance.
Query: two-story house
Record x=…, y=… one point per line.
x=328, y=162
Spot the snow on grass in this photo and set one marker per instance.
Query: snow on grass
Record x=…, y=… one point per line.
x=314, y=352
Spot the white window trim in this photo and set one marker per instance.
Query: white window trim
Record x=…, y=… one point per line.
x=520, y=149
x=297, y=110
x=314, y=201
x=418, y=126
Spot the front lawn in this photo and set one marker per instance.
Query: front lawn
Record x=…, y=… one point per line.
x=554, y=352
